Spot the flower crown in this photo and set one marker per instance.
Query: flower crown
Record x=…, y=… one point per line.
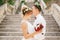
x=27, y=9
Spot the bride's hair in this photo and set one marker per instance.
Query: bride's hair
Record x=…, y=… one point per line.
x=38, y=7
x=26, y=11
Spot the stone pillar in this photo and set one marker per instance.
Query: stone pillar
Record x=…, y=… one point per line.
x=29, y=0
x=17, y=3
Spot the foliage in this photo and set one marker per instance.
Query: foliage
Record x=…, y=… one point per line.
x=11, y=2
x=46, y=1
x=1, y=2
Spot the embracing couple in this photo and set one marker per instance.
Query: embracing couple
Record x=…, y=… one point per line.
x=38, y=29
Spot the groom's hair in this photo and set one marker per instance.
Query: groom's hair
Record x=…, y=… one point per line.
x=38, y=7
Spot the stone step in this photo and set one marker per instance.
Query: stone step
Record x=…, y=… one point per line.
x=9, y=22
x=10, y=37
x=17, y=19
x=21, y=31
x=49, y=22
x=19, y=22
x=46, y=15
x=10, y=30
x=21, y=34
x=15, y=15
x=9, y=25
x=19, y=28
x=11, y=34
x=16, y=27
x=52, y=38
x=11, y=16
x=4, y=22
x=20, y=38
x=52, y=34
x=54, y=30
x=11, y=19
x=48, y=18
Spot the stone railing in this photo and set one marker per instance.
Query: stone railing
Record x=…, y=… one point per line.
x=56, y=12
x=2, y=12
x=10, y=9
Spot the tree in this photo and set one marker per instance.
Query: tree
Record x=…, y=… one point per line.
x=11, y=2
x=47, y=1
x=2, y=2
x=36, y=1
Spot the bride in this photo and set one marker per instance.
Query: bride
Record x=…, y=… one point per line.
x=27, y=27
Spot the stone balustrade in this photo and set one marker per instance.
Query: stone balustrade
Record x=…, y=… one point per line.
x=56, y=12
x=2, y=12
x=10, y=9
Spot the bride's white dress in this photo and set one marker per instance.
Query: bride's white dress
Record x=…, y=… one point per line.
x=30, y=29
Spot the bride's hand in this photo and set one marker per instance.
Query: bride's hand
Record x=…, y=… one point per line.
x=36, y=32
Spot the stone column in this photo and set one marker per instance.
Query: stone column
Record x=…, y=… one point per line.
x=29, y=0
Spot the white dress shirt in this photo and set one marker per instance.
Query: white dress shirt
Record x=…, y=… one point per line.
x=40, y=20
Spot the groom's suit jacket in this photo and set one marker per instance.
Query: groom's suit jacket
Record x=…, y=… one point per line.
x=40, y=20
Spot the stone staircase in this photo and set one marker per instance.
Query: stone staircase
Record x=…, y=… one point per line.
x=10, y=28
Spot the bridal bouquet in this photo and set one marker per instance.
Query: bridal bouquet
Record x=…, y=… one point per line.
x=39, y=27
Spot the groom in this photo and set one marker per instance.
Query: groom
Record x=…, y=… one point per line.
x=40, y=23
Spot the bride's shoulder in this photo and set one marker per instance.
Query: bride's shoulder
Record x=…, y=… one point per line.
x=23, y=22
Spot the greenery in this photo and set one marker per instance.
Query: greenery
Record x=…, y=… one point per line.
x=1, y=2
x=36, y=1
x=47, y=1
x=23, y=1
x=11, y=2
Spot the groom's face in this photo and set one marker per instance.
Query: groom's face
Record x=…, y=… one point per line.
x=34, y=10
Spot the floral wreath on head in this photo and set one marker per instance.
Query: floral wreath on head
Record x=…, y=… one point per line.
x=27, y=9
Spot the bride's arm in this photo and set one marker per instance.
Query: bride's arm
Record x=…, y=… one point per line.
x=25, y=31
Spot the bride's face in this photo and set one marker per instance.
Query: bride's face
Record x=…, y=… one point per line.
x=28, y=15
